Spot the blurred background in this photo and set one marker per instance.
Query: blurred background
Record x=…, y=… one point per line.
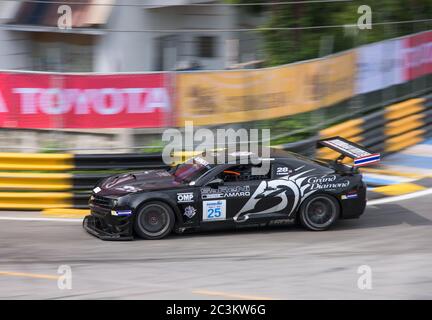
x=87, y=87
x=112, y=75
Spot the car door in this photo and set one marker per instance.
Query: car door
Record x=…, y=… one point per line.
x=274, y=197
x=223, y=201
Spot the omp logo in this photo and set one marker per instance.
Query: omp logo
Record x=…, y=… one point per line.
x=105, y=101
x=185, y=197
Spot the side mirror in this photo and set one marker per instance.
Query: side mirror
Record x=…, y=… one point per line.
x=215, y=183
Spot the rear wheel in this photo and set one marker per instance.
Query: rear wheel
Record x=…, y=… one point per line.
x=155, y=220
x=319, y=212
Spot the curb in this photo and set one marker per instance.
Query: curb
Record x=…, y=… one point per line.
x=399, y=189
x=65, y=213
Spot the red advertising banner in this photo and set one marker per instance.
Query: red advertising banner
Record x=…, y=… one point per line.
x=417, y=55
x=30, y=100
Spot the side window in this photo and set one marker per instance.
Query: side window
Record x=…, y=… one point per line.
x=241, y=172
x=281, y=169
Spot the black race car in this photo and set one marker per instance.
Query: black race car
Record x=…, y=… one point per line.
x=197, y=195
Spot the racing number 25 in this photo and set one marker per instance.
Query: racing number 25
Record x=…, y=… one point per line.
x=213, y=213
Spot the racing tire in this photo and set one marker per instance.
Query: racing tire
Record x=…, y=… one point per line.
x=155, y=220
x=319, y=212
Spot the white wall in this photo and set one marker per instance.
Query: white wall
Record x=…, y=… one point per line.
x=121, y=51
x=14, y=46
x=15, y=51
x=136, y=51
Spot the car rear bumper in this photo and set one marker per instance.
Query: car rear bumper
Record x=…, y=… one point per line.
x=354, y=208
x=109, y=229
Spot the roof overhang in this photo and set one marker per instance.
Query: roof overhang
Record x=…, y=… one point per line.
x=38, y=28
x=87, y=16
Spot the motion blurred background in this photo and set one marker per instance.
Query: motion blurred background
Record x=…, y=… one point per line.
x=123, y=71
x=88, y=87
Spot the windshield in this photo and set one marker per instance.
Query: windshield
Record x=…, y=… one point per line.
x=188, y=171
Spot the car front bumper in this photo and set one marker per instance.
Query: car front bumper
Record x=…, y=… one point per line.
x=112, y=228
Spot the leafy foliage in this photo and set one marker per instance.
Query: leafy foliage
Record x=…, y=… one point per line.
x=286, y=46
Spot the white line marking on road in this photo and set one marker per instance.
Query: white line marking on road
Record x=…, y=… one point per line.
x=400, y=198
x=40, y=219
x=29, y=275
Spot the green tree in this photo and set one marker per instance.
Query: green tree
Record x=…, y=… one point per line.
x=286, y=46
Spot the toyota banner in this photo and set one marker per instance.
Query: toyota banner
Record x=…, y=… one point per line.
x=41, y=100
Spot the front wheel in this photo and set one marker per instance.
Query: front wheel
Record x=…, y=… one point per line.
x=155, y=220
x=319, y=212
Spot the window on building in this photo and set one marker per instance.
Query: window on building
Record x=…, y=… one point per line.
x=166, y=52
x=206, y=46
x=62, y=53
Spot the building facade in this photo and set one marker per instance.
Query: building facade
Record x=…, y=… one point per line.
x=126, y=36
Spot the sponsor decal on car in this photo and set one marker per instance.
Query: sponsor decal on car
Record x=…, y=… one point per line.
x=327, y=182
x=97, y=190
x=225, y=192
x=347, y=146
x=128, y=188
x=121, y=213
x=349, y=196
x=214, y=210
x=189, y=211
x=280, y=222
x=283, y=171
x=185, y=197
x=201, y=161
x=162, y=173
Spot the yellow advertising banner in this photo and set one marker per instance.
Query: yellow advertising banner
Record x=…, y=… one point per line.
x=217, y=97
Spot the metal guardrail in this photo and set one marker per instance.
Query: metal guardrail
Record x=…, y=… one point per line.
x=396, y=127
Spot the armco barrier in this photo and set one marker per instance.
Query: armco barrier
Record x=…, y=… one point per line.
x=45, y=181
x=396, y=127
x=117, y=161
x=30, y=181
x=35, y=181
x=36, y=161
x=35, y=200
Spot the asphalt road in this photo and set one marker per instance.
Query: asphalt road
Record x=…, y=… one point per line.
x=393, y=239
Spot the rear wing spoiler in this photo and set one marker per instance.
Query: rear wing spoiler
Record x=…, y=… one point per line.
x=360, y=155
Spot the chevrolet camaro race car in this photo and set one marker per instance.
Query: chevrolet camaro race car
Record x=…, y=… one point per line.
x=198, y=195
